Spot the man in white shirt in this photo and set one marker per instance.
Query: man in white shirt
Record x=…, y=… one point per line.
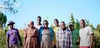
x=85, y=35
x=38, y=25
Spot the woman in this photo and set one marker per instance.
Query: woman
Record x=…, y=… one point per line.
x=47, y=35
x=30, y=35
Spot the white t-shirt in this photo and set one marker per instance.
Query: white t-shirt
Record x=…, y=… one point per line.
x=38, y=26
x=85, y=36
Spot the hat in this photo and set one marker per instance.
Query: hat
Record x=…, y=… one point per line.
x=71, y=24
x=11, y=23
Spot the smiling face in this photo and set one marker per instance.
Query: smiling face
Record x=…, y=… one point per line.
x=82, y=23
x=45, y=24
x=62, y=25
x=56, y=22
x=39, y=20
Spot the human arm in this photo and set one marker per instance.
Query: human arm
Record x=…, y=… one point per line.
x=91, y=37
x=25, y=34
x=19, y=37
x=7, y=42
x=36, y=32
x=52, y=34
x=70, y=39
x=78, y=42
x=7, y=39
x=91, y=40
x=78, y=38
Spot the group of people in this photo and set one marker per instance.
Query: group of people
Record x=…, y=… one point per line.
x=58, y=36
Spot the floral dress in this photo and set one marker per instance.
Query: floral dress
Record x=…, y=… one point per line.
x=46, y=41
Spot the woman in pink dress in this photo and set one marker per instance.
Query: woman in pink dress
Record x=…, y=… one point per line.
x=31, y=34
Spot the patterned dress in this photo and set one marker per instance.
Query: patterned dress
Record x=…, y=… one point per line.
x=31, y=39
x=46, y=41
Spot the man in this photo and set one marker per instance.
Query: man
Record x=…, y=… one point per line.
x=63, y=36
x=13, y=36
x=38, y=25
x=86, y=35
x=55, y=28
x=75, y=34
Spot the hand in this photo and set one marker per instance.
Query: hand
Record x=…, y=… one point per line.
x=20, y=44
x=77, y=43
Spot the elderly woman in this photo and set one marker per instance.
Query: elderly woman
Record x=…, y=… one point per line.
x=30, y=35
x=46, y=35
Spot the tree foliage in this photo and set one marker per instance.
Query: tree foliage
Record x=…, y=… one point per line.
x=9, y=5
x=87, y=22
x=76, y=23
x=92, y=27
x=98, y=27
x=3, y=20
x=72, y=18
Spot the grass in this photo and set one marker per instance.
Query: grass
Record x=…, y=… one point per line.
x=3, y=38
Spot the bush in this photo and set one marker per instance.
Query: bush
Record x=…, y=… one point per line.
x=3, y=37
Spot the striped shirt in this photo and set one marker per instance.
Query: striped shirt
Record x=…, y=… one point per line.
x=64, y=38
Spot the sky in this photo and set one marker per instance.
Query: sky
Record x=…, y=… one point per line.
x=61, y=9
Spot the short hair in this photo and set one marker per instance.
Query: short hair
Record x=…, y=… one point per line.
x=62, y=22
x=82, y=20
x=39, y=17
x=56, y=20
x=45, y=21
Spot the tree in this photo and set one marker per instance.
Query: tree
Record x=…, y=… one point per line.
x=98, y=27
x=72, y=18
x=9, y=5
x=92, y=27
x=3, y=20
x=77, y=24
x=87, y=22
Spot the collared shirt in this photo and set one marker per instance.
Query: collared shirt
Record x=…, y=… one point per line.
x=13, y=34
x=55, y=28
x=51, y=34
x=64, y=38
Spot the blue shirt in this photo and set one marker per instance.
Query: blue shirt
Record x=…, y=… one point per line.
x=51, y=34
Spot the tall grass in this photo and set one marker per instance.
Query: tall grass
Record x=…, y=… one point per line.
x=3, y=38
